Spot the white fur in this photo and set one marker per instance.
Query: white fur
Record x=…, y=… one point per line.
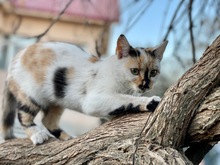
x=37, y=135
x=106, y=92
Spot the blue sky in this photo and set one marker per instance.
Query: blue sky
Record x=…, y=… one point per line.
x=147, y=30
x=150, y=30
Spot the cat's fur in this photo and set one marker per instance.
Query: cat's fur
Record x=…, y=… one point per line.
x=53, y=76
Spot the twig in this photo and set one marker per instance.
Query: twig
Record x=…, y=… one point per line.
x=100, y=42
x=180, y=17
x=38, y=37
x=164, y=20
x=17, y=25
x=191, y=31
x=138, y=16
x=172, y=20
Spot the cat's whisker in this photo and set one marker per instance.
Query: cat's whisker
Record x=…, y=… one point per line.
x=127, y=91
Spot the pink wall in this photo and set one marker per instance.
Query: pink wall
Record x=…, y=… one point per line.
x=106, y=10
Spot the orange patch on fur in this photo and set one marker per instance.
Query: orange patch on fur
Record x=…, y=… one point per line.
x=51, y=120
x=52, y=117
x=26, y=118
x=138, y=80
x=70, y=73
x=65, y=136
x=19, y=94
x=135, y=62
x=93, y=59
x=15, y=89
x=36, y=60
x=131, y=63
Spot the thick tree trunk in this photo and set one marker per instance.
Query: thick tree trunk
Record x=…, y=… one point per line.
x=188, y=116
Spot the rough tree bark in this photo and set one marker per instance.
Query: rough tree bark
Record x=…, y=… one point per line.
x=188, y=116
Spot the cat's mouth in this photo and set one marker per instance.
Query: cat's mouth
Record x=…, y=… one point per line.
x=144, y=90
x=141, y=90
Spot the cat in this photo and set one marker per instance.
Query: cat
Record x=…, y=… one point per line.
x=51, y=76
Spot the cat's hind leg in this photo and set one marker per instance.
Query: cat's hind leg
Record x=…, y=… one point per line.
x=51, y=122
x=8, y=114
x=26, y=115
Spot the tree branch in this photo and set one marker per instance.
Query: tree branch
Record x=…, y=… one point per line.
x=172, y=20
x=206, y=129
x=191, y=31
x=165, y=131
x=181, y=101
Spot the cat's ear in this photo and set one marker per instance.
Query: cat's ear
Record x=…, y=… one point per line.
x=123, y=47
x=159, y=50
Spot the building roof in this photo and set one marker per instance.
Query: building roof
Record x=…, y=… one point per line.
x=101, y=10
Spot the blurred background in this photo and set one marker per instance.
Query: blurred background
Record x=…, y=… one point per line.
x=189, y=26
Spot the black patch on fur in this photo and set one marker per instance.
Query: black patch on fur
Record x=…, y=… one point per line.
x=125, y=110
x=26, y=109
x=142, y=87
x=152, y=105
x=151, y=53
x=9, y=116
x=20, y=118
x=60, y=82
x=9, y=120
x=147, y=80
x=134, y=53
x=56, y=132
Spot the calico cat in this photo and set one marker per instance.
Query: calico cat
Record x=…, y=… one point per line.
x=51, y=76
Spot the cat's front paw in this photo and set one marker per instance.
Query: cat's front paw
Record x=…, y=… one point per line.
x=39, y=137
x=152, y=105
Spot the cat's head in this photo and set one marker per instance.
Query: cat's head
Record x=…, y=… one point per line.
x=141, y=66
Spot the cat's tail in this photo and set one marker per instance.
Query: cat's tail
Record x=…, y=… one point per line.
x=8, y=113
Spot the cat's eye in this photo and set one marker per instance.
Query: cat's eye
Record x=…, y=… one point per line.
x=135, y=71
x=153, y=73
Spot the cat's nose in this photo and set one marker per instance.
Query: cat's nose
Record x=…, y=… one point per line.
x=141, y=87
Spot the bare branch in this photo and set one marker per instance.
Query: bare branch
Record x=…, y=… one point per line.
x=191, y=31
x=16, y=25
x=165, y=17
x=138, y=16
x=53, y=22
x=172, y=20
